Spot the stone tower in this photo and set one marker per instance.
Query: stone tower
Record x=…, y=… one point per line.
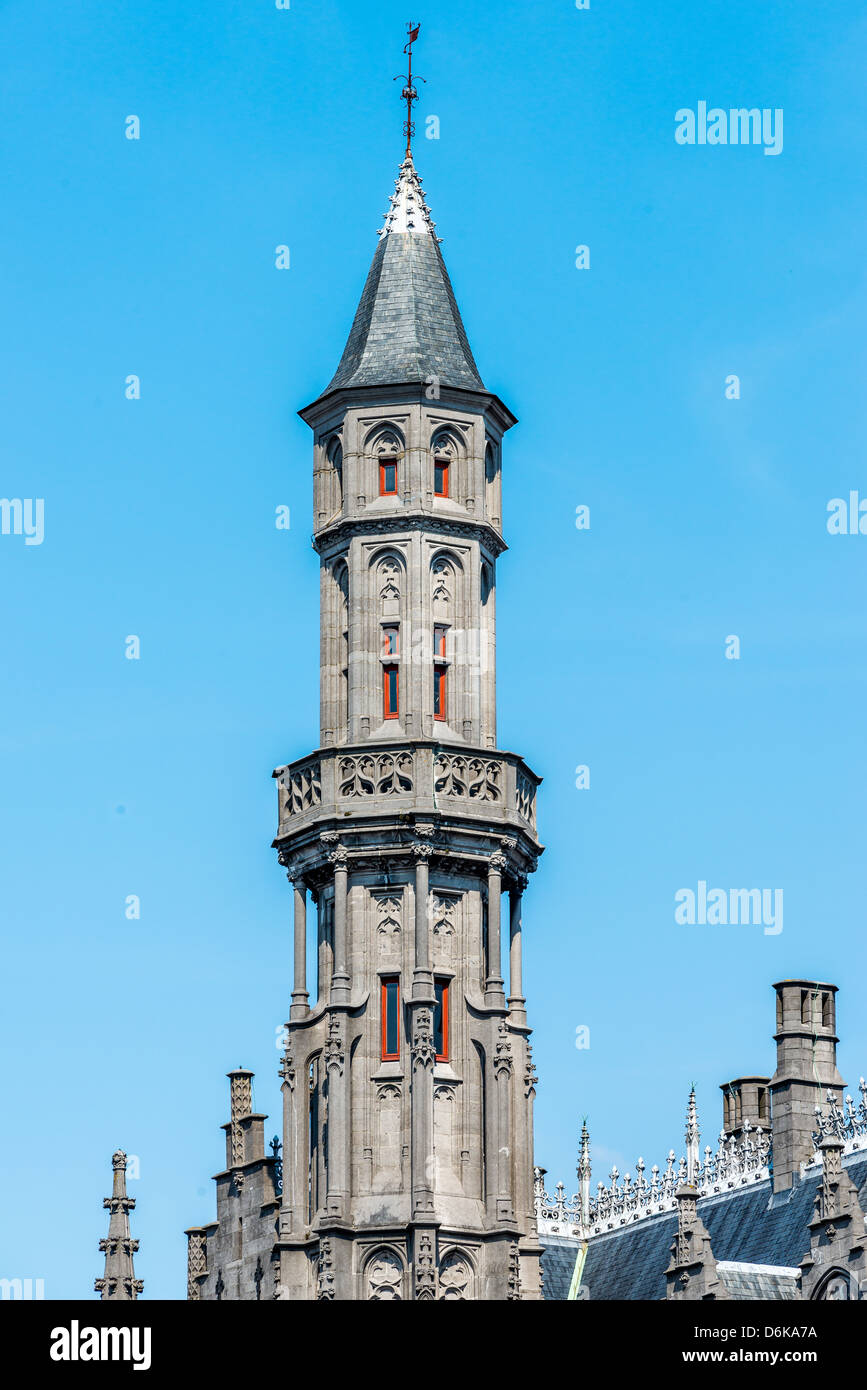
x=408, y=1080
x=118, y=1281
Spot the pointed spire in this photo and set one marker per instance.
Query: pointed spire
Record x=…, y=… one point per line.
x=407, y=327
x=119, y=1281
x=407, y=207
x=584, y=1174
x=693, y=1135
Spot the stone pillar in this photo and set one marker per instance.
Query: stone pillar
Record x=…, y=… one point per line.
x=300, y=997
x=517, y=1002
x=293, y=1203
x=422, y=1051
x=421, y=1099
x=503, y=1068
x=337, y=1175
x=422, y=980
x=494, y=996
x=340, y=974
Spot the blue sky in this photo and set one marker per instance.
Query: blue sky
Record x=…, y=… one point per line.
x=708, y=518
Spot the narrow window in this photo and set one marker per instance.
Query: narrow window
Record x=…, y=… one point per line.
x=826, y=1011
x=440, y=671
x=439, y=692
x=390, y=692
x=390, y=641
x=388, y=477
x=441, y=476
x=390, y=1018
x=441, y=1020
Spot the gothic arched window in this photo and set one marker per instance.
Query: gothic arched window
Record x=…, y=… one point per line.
x=335, y=459
x=444, y=450
x=387, y=452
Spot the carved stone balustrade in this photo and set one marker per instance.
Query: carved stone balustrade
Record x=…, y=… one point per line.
x=422, y=777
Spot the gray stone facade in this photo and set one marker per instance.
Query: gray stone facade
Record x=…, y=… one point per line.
x=408, y=1080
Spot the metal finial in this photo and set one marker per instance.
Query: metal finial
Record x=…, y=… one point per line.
x=409, y=93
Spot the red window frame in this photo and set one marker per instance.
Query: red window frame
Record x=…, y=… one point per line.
x=441, y=467
x=390, y=682
x=439, y=643
x=441, y=989
x=384, y=465
x=440, y=692
x=391, y=639
x=390, y=991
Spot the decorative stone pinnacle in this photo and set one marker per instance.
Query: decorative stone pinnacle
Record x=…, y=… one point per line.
x=118, y=1282
x=693, y=1135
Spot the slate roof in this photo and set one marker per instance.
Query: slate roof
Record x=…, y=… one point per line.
x=765, y=1282
x=407, y=327
x=747, y=1226
x=558, y=1263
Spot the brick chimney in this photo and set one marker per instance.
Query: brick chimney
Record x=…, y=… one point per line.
x=806, y=1069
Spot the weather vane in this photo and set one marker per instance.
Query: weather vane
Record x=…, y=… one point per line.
x=409, y=93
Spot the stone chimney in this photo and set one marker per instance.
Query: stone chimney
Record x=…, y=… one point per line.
x=746, y=1101
x=245, y=1132
x=806, y=1070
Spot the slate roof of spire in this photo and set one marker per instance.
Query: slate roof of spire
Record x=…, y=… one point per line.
x=407, y=326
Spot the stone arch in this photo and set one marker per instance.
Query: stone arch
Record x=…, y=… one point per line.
x=492, y=484
x=383, y=1275
x=336, y=662
x=446, y=573
x=384, y=441
x=334, y=455
x=835, y=1285
x=389, y=568
x=486, y=582
x=457, y=1275
x=447, y=445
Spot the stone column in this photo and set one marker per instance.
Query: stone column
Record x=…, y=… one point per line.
x=517, y=1002
x=422, y=1059
x=293, y=1204
x=494, y=996
x=422, y=1052
x=503, y=1068
x=300, y=997
x=337, y=1175
x=340, y=975
x=422, y=980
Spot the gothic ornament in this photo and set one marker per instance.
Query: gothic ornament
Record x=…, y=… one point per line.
x=384, y=1277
